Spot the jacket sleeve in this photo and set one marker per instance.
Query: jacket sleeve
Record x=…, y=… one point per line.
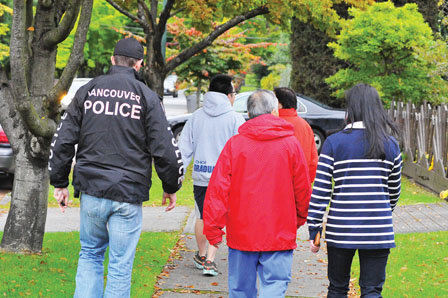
x=186, y=145
x=302, y=185
x=313, y=158
x=62, y=148
x=217, y=197
x=163, y=147
x=394, y=182
x=322, y=190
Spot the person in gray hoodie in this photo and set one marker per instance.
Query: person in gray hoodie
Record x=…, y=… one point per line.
x=202, y=139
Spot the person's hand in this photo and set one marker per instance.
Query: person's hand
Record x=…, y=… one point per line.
x=314, y=249
x=172, y=198
x=61, y=195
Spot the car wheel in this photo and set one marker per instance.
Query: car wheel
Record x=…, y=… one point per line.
x=176, y=133
x=319, y=139
x=175, y=94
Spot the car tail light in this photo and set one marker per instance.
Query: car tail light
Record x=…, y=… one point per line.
x=3, y=138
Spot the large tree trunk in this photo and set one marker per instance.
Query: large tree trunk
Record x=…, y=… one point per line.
x=25, y=225
x=29, y=106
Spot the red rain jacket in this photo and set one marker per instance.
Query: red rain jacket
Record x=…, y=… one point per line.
x=305, y=135
x=260, y=188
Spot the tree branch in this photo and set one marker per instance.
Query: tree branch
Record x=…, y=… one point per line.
x=19, y=57
x=60, y=33
x=75, y=60
x=164, y=16
x=190, y=52
x=124, y=11
x=12, y=124
x=176, y=12
x=38, y=126
x=150, y=21
x=154, y=8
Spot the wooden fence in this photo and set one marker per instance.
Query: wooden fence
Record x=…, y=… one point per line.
x=424, y=143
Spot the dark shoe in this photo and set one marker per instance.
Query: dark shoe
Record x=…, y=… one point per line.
x=199, y=260
x=210, y=268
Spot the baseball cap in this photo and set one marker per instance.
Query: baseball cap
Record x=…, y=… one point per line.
x=129, y=47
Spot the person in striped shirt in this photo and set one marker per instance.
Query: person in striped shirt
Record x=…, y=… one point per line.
x=363, y=161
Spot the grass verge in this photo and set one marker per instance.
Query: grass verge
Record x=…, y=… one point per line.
x=411, y=193
x=184, y=195
x=52, y=274
x=416, y=267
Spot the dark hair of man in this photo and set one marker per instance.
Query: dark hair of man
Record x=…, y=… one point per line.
x=221, y=83
x=364, y=104
x=287, y=97
x=125, y=61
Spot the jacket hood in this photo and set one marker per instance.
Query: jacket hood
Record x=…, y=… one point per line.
x=287, y=112
x=216, y=103
x=266, y=127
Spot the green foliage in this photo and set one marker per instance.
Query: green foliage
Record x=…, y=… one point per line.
x=105, y=29
x=273, y=78
x=393, y=50
x=52, y=274
x=230, y=53
x=5, y=13
x=416, y=267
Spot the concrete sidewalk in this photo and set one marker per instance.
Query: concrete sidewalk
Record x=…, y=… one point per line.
x=155, y=219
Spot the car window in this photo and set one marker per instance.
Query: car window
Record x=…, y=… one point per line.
x=240, y=104
x=301, y=108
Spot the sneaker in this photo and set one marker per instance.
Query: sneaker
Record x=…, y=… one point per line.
x=210, y=268
x=199, y=260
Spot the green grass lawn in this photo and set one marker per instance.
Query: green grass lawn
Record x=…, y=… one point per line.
x=417, y=267
x=52, y=274
x=412, y=193
x=184, y=195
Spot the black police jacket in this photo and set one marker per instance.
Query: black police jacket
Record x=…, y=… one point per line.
x=120, y=126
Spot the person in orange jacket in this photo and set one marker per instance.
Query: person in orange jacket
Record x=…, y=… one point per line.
x=287, y=110
x=260, y=191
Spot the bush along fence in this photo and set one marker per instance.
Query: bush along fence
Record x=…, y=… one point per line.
x=424, y=143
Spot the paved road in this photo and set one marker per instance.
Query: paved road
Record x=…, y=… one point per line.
x=175, y=106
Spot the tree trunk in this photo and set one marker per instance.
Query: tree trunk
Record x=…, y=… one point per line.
x=154, y=79
x=25, y=225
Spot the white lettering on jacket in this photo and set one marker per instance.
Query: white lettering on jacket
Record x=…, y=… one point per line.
x=100, y=105
x=114, y=93
x=117, y=108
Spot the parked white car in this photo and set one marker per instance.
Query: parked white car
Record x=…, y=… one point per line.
x=76, y=84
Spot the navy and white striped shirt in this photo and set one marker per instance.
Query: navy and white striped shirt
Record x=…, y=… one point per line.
x=364, y=195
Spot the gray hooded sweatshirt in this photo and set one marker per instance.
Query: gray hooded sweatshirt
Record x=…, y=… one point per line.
x=205, y=134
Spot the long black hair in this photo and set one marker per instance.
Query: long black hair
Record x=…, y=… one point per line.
x=364, y=104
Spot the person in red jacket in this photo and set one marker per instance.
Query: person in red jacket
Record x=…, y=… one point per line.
x=260, y=190
x=287, y=104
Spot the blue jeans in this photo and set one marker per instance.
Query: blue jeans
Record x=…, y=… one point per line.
x=372, y=274
x=273, y=267
x=107, y=223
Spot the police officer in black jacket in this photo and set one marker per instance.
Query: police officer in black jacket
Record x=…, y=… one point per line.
x=120, y=126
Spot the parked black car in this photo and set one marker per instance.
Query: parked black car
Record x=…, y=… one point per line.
x=323, y=119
